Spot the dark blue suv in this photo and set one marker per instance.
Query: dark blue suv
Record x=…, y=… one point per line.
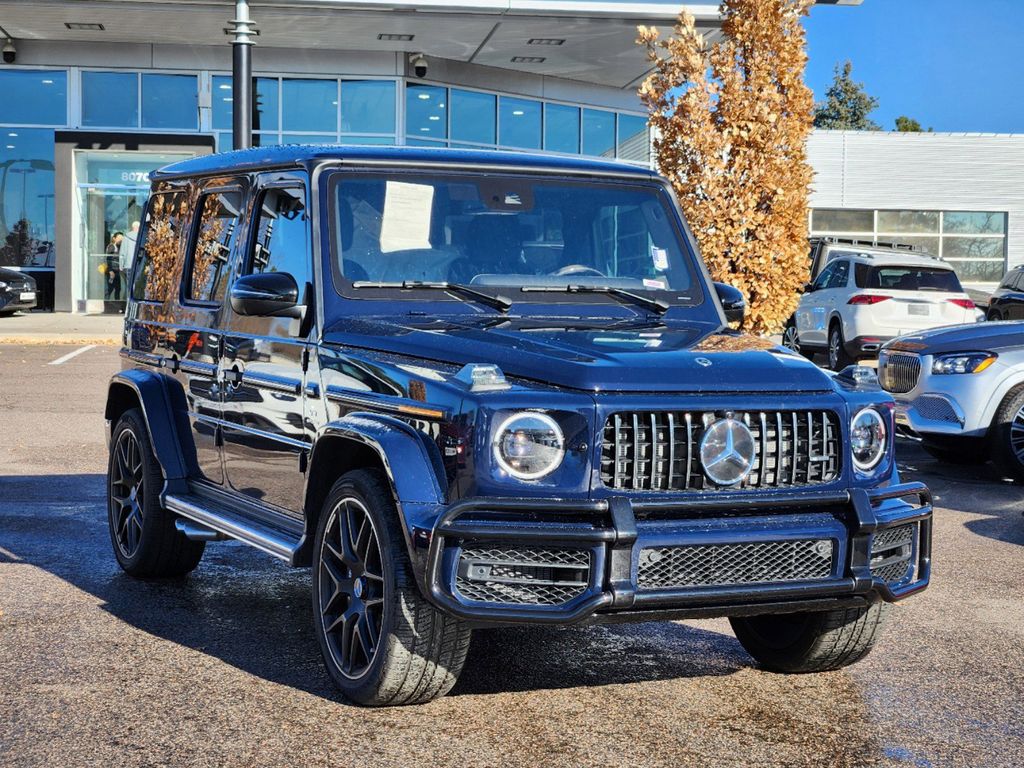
x=474, y=389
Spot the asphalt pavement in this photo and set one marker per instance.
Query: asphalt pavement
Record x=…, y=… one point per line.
x=222, y=668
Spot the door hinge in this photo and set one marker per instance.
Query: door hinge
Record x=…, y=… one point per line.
x=303, y=461
x=305, y=359
x=218, y=436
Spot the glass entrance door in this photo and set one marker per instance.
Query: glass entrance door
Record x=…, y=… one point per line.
x=112, y=191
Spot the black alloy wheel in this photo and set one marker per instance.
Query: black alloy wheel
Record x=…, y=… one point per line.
x=143, y=534
x=352, y=588
x=127, y=493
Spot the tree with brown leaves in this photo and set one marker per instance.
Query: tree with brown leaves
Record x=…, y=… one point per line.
x=731, y=121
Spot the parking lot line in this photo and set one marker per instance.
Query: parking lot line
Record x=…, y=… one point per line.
x=69, y=355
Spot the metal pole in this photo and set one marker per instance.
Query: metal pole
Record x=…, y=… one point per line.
x=241, y=75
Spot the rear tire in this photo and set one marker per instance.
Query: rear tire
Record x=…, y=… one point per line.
x=382, y=642
x=145, y=540
x=837, y=357
x=993, y=316
x=1006, y=435
x=811, y=641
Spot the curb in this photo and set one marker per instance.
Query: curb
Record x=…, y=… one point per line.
x=39, y=339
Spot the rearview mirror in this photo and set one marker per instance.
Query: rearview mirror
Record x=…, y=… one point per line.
x=266, y=294
x=733, y=302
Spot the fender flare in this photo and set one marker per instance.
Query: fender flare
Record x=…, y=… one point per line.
x=411, y=462
x=150, y=390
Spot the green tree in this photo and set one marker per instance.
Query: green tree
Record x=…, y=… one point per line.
x=906, y=124
x=847, y=105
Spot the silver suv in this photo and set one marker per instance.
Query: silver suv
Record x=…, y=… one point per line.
x=961, y=390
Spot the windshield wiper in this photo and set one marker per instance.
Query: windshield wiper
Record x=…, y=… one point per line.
x=499, y=302
x=655, y=305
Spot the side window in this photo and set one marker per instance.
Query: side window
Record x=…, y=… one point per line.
x=823, y=277
x=1016, y=280
x=156, y=279
x=861, y=274
x=219, y=222
x=840, y=275
x=282, y=235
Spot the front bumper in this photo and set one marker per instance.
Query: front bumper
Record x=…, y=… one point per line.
x=12, y=300
x=591, y=561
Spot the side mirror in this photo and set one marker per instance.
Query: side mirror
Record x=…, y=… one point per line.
x=809, y=287
x=266, y=294
x=733, y=302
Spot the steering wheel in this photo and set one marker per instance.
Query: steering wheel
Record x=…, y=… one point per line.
x=578, y=269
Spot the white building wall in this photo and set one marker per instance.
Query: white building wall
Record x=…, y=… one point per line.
x=922, y=171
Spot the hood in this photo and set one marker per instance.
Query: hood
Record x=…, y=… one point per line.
x=593, y=355
x=978, y=337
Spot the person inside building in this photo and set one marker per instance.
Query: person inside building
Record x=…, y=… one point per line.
x=126, y=251
x=112, y=289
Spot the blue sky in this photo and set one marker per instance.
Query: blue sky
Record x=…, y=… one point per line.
x=954, y=65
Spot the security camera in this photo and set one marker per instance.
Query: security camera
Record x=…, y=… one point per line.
x=11, y=53
x=417, y=60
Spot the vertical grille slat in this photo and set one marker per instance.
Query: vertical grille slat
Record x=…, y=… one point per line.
x=899, y=372
x=643, y=450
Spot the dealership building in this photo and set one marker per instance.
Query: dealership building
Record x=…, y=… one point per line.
x=99, y=94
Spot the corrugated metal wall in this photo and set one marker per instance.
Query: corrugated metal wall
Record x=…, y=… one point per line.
x=922, y=171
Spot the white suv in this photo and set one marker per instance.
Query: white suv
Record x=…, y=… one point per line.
x=863, y=298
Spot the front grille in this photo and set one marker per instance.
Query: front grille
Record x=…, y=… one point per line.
x=899, y=371
x=892, y=552
x=660, y=450
x=522, y=575
x=761, y=562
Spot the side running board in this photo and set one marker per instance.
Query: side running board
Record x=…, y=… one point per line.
x=209, y=514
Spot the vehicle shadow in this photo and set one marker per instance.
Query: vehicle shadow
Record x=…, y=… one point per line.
x=254, y=613
x=977, y=489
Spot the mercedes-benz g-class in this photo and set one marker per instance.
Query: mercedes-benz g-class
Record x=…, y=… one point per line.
x=475, y=389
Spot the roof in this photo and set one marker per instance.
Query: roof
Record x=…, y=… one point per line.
x=306, y=154
x=587, y=40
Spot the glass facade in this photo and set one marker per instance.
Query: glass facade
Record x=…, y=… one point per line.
x=462, y=118
x=287, y=109
x=973, y=242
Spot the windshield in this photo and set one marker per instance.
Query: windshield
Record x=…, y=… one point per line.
x=507, y=234
x=905, y=278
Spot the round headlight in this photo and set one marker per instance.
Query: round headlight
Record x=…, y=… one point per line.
x=867, y=439
x=529, y=445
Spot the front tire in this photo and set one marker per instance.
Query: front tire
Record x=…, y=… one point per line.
x=145, y=540
x=1007, y=435
x=811, y=641
x=965, y=451
x=837, y=357
x=382, y=642
x=791, y=339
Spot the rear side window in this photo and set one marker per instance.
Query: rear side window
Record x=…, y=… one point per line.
x=220, y=214
x=897, y=278
x=156, y=278
x=282, y=235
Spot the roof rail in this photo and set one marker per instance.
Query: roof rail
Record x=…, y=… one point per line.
x=873, y=243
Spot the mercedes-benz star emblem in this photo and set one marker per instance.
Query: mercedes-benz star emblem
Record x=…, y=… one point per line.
x=727, y=451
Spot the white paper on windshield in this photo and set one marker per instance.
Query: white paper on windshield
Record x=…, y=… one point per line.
x=660, y=257
x=406, y=224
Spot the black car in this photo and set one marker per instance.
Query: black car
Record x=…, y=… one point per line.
x=17, y=291
x=1007, y=301
x=477, y=389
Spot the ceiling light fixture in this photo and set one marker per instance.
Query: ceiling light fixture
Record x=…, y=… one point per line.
x=395, y=38
x=528, y=59
x=81, y=25
x=545, y=41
